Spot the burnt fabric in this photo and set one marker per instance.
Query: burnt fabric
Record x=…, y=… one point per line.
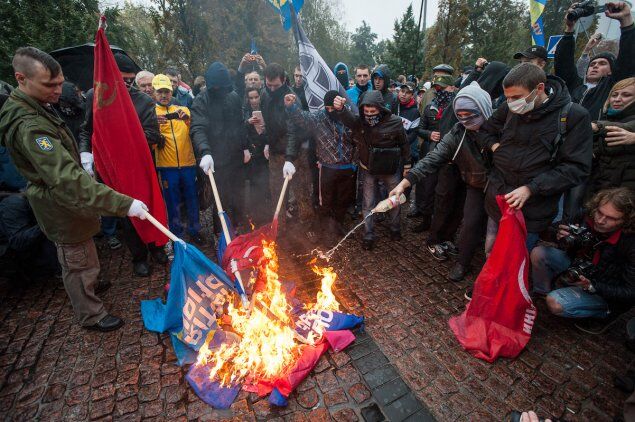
x=497, y=322
x=122, y=155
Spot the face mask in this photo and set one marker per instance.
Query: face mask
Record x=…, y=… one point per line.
x=521, y=106
x=372, y=120
x=613, y=112
x=472, y=122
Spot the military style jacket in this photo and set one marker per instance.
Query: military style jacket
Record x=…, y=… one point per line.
x=66, y=201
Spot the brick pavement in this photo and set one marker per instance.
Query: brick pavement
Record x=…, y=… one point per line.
x=50, y=369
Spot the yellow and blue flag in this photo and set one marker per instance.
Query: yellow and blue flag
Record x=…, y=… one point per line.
x=536, y=8
x=284, y=7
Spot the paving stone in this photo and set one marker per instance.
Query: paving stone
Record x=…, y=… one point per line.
x=390, y=391
x=380, y=376
x=308, y=398
x=370, y=362
x=372, y=413
x=335, y=397
x=362, y=349
x=359, y=392
x=402, y=408
x=345, y=415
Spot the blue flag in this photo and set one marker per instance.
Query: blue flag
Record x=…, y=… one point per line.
x=197, y=288
x=284, y=8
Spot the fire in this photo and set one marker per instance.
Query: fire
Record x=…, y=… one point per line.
x=267, y=348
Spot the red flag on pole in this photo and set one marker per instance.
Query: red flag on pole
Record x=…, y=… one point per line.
x=121, y=152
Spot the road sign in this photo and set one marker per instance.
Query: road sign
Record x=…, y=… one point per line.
x=551, y=46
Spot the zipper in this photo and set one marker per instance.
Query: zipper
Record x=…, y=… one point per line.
x=176, y=145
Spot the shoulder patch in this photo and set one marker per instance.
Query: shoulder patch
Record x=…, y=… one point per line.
x=44, y=143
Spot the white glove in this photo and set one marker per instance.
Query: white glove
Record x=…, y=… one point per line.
x=138, y=209
x=246, y=156
x=266, y=151
x=87, y=162
x=288, y=170
x=207, y=164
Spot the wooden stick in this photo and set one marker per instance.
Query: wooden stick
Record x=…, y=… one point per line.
x=162, y=228
x=282, y=192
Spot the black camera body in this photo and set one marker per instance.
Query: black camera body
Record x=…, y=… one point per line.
x=172, y=116
x=584, y=9
x=579, y=268
x=579, y=237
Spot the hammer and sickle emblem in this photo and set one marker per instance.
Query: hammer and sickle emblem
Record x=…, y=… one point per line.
x=101, y=91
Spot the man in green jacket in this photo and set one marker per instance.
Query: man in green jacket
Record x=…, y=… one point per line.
x=66, y=201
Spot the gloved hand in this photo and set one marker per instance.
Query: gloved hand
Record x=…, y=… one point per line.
x=138, y=209
x=288, y=170
x=207, y=164
x=87, y=162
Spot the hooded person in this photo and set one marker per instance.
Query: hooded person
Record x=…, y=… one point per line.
x=604, y=69
x=542, y=146
x=145, y=109
x=71, y=107
x=341, y=73
x=472, y=106
x=337, y=173
x=383, y=153
x=219, y=138
x=381, y=82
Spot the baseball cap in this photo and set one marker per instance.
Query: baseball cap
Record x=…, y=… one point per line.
x=443, y=68
x=443, y=81
x=161, y=81
x=533, y=52
x=408, y=85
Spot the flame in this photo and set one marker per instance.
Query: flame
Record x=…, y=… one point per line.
x=267, y=348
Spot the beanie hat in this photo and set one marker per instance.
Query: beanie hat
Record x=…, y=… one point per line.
x=610, y=57
x=329, y=97
x=217, y=76
x=473, y=97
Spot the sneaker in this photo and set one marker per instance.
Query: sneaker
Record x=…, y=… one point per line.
x=458, y=272
x=450, y=248
x=438, y=252
x=596, y=326
x=468, y=294
x=113, y=243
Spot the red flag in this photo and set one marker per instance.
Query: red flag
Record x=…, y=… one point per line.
x=121, y=152
x=497, y=322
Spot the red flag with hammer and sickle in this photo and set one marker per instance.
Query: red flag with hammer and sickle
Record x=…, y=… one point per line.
x=121, y=152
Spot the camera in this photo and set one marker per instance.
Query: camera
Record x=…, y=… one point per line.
x=583, y=9
x=579, y=268
x=578, y=237
x=172, y=116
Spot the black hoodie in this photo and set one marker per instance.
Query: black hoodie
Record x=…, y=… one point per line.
x=593, y=99
x=523, y=158
x=390, y=100
x=388, y=133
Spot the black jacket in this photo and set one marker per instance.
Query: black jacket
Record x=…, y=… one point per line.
x=613, y=166
x=389, y=99
x=217, y=127
x=594, y=98
x=281, y=132
x=71, y=108
x=301, y=94
x=524, y=155
x=388, y=133
x=146, y=111
x=429, y=122
x=472, y=158
x=255, y=142
x=410, y=112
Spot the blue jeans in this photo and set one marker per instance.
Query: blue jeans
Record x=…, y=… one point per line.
x=369, y=200
x=547, y=263
x=576, y=303
x=492, y=231
x=109, y=225
x=179, y=185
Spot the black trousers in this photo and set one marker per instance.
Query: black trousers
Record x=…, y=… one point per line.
x=474, y=224
x=258, y=199
x=336, y=194
x=230, y=182
x=448, y=205
x=135, y=245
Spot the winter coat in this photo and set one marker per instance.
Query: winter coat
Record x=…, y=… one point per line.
x=410, y=112
x=593, y=99
x=463, y=148
x=301, y=94
x=217, y=127
x=389, y=99
x=523, y=157
x=255, y=142
x=355, y=92
x=177, y=150
x=429, y=122
x=613, y=166
x=71, y=108
x=283, y=135
x=388, y=133
x=145, y=108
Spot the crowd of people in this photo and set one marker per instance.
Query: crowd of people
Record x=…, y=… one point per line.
x=558, y=146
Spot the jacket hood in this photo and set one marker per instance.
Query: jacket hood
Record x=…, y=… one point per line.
x=482, y=99
x=343, y=78
x=70, y=95
x=217, y=76
x=382, y=71
x=491, y=80
x=373, y=98
x=558, y=97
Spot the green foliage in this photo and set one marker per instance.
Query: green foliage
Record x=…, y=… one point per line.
x=447, y=37
x=322, y=26
x=403, y=55
x=363, y=45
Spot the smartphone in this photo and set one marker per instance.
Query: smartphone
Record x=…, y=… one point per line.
x=257, y=114
x=172, y=116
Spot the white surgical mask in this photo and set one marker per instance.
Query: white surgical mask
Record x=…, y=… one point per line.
x=521, y=105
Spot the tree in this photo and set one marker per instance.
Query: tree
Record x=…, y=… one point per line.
x=328, y=35
x=446, y=38
x=363, y=45
x=403, y=55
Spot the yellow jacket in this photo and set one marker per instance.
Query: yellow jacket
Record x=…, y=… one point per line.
x=178, y=151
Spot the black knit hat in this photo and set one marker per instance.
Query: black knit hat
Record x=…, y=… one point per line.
x=329, y=97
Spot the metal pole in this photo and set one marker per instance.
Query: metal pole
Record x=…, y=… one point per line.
x=425, y=15
x=414, y=61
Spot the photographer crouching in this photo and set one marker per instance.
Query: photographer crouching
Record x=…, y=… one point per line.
x=594, y=264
